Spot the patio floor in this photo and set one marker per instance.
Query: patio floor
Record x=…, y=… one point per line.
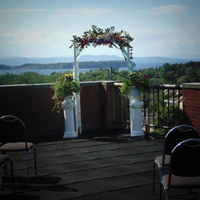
x=95, y=166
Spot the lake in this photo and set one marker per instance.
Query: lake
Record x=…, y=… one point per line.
x=46, y=71
x=49, y=71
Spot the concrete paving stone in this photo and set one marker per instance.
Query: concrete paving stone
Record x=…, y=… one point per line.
x=119, y=170
x=91, y=168
x=104, y=154
x=131, y=159
x=111, y=195
x=81, y=176
x=142, y=167
x=56, y=193
x=94, y=186
x=132, y=180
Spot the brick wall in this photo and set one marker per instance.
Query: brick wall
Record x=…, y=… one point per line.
x=34, y=105
x=191, y=103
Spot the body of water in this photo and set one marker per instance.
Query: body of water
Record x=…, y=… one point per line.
x=45, y=71
x=49, y=71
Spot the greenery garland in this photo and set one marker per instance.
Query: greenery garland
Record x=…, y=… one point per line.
x=108, y=37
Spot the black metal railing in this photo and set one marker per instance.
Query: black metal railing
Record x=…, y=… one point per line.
x=162, y=108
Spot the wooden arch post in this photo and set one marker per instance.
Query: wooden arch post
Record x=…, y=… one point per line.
x=78, y=124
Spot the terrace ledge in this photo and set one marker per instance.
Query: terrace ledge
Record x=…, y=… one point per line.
x=47, y=85
x=191, y=85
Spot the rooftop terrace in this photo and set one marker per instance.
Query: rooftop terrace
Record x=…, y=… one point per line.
x=97, y=165
x=105, y=164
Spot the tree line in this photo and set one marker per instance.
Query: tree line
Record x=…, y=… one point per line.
x=165, y=74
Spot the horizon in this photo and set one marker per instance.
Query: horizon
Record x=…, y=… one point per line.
x=10, y=57
x=17, y=61
x=44, y=29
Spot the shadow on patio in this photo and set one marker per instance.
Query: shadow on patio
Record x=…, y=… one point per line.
x=94, y=166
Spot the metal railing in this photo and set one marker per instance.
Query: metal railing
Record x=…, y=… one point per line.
x=162, y=108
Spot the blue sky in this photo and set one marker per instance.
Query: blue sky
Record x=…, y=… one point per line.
x=44, y=28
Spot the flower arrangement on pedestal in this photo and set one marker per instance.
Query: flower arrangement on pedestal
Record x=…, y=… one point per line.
x=64, y=87
x=108, y=37
x=135, y=79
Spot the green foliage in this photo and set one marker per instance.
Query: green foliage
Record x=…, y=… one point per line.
x=172, y=115
x=63, y=87
x=135, y=79
x=166, y=74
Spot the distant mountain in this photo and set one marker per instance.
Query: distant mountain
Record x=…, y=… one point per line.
x=161, y=60
x=140, y=61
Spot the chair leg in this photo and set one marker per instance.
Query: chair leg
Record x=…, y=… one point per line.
x=28, y=163
x=1, y=177
x=161, y=191
x=166, y=194
x=35, y=161
x=29, y=159
x=12, y=175
x=154, y=178
x=199, y=192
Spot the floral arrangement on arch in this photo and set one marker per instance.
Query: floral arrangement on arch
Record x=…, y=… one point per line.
x=135, y=79
x=64, y=86
x=108, y=37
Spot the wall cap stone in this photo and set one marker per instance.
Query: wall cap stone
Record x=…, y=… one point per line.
x=39, y=85
x=47, y=85
x=191, y=85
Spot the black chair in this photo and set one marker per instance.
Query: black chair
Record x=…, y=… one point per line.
x=184, y=167
x=4, y=160
x=172, y=138
x=14, y=138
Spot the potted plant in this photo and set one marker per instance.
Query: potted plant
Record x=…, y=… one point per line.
x=135, y=79
x=64, y=89
x=134, y=82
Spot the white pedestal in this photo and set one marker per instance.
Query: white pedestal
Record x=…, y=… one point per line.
x=68, y=107
x=135, y=113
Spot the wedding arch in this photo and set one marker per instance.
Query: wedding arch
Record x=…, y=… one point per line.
x=97, y=36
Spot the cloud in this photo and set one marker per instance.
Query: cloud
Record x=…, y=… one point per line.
x=25, y=37
x=97, y=11
x=63, y=12
x=169, y=9
x=26, y=10
x=148, y=32
x=85, y=11
x=22, y=37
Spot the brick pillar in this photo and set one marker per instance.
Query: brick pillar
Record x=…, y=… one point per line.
x=191, y=103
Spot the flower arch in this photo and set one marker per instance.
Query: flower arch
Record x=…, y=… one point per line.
x=108, y=37
x=97, y=36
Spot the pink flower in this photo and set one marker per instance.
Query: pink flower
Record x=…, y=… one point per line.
x=144, y=77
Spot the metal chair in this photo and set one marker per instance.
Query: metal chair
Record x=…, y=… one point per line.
x=4, y=160
x=14, y=138
x=172, y=138
x=184, y=167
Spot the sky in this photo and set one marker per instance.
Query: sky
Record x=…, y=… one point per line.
x=45, y=28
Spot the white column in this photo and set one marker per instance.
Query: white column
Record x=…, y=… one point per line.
x=135, y=113
x=68, y=107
